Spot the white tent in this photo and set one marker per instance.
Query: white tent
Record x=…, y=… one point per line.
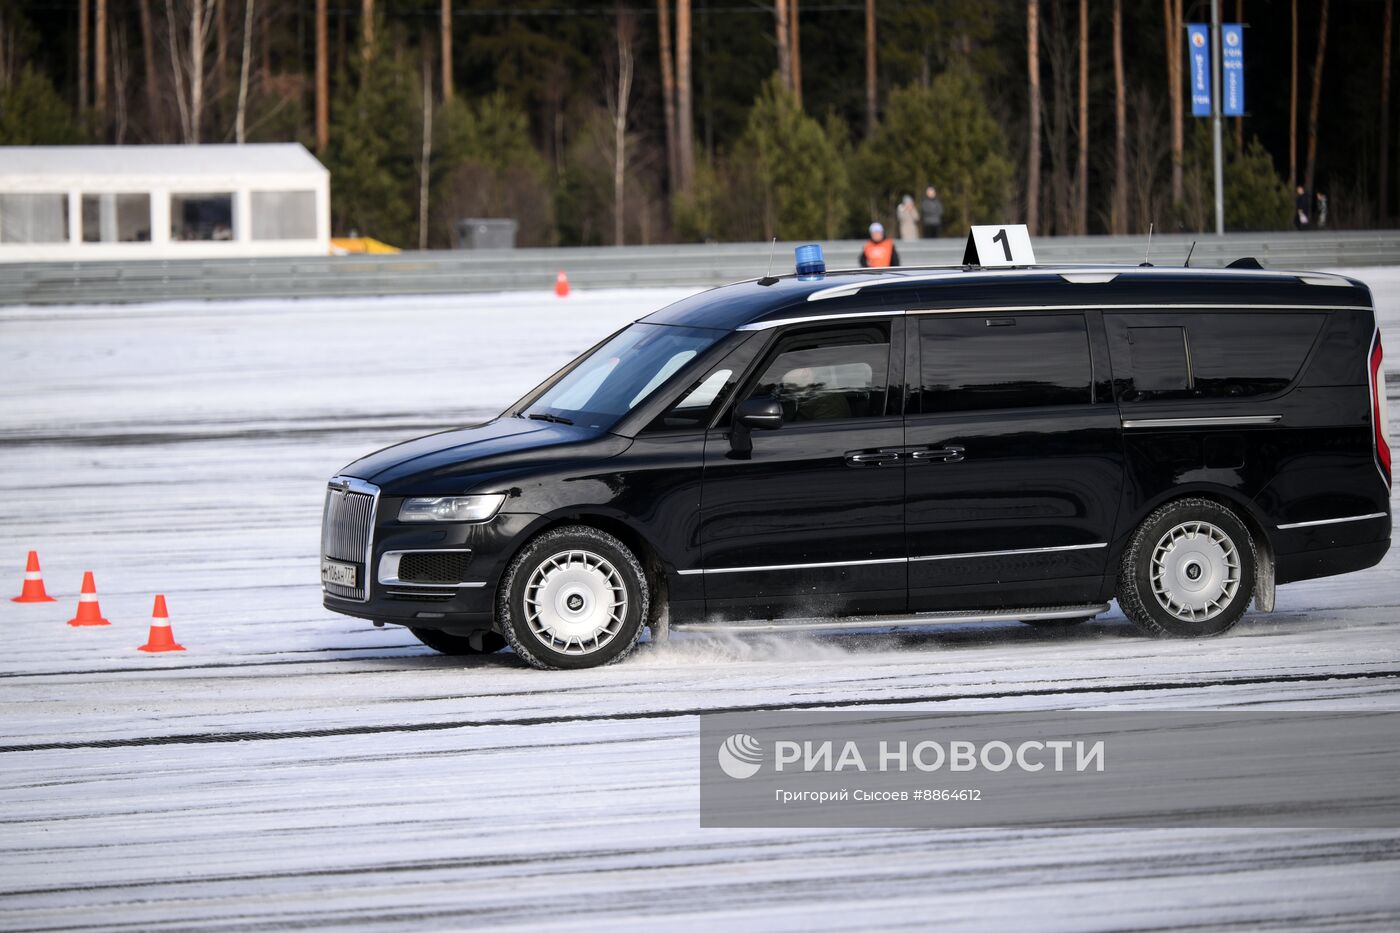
x=162, y=202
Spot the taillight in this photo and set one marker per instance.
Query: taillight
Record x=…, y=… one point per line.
x=1380, y=409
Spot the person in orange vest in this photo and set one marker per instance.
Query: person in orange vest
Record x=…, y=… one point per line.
x=879, y=252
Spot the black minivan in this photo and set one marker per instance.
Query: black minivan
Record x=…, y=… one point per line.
x=888, y=448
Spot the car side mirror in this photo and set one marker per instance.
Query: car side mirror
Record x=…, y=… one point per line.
x=765, y=414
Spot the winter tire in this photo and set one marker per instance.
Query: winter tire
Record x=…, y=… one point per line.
x=1188, y=571
x=574, y=597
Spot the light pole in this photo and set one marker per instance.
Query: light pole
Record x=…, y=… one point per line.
x=1216, y=97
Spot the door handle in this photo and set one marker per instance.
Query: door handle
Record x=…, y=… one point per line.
x=944, y=454
x=872, y=458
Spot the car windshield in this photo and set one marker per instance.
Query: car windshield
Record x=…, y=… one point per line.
x=621, y=374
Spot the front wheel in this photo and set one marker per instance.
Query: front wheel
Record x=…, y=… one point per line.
x=575, y=597
x=1188, y=571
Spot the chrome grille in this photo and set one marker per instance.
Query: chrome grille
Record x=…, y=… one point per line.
x=347, y=530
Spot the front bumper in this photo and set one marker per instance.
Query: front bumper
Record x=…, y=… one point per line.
x=468, y=603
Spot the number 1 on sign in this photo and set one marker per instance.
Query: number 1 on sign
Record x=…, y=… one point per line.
x=990, y=246
x=1005, y=242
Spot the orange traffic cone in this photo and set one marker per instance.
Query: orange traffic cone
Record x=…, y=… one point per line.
x=561, y=284
x=89, y=613
x=33, y=591
x=160, y=637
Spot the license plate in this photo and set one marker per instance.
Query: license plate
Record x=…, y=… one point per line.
x=340, y=574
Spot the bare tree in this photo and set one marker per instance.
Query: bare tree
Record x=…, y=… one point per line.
x=99, y=67
x=240, y=125
x=366, y=40
x=1081, y=175
x=1148, y=151
x=1293, y=105
x=685, y=129
x=1033, y=107
x=121, y=81
x=220, y=50
x=870, y=82
x=1316, y=102
x=187, y=62
x=780, y=14
x=425, y=159
x=668, y=88
x=154, y=122
x=1172, y=15
x=446, y=30
x=1118, y=214
x=795, y=52
x=1384, y=163
x=1060, y=46
x=619, y=98
x=7, y=53
x=323, y=92
x=82, y=55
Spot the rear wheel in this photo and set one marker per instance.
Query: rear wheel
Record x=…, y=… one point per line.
x=482, y=642
x=1188, y=571
x=575, y=597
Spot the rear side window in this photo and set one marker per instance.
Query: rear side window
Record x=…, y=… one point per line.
x=1003, y=361
x=1160, y=362
x=1209, y=354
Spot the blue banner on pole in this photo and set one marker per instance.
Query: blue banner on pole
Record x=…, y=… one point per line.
x=1232, y=69
x=1198, y=48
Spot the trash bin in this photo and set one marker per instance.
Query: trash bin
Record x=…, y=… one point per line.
x=486, y=233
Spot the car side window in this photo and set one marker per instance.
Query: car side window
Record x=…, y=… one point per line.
x=697, y=406
x=1208, y=353
x=829, y=375
x=979, y=362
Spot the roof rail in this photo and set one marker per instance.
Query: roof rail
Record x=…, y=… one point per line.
x=1083, y=274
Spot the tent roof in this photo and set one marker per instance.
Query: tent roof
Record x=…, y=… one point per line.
x=248, y=159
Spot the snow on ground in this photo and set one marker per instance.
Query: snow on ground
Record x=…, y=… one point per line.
x=295, y=767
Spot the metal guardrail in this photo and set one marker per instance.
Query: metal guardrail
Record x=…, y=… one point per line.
x=453, y=272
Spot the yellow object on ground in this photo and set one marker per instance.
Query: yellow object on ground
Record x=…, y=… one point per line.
x=359, y=244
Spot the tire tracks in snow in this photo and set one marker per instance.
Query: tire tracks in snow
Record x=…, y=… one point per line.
x=208, y=738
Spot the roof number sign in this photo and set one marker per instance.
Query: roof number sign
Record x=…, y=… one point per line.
x=1007, y=245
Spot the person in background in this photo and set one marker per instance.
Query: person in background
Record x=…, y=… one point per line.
x=879, y=252
x=1321, y=210
x=908, y=218
x=932, y=211
x=1301, y=220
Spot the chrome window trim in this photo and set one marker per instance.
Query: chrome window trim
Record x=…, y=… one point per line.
x=892, y=560
x=1332, y=521
x=853, y=316
x=352, y=484
x=1143, y=306
x=388, y=574
x=1202, y=422
x=1005, y=309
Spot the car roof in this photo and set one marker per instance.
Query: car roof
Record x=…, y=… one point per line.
x=762, y=303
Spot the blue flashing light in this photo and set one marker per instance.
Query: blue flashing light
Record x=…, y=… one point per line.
x=810, y=264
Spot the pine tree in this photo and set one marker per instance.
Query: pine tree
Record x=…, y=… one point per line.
x=962, y=153
x=799, y=178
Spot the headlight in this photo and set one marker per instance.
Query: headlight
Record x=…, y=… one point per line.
x=451, y=509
